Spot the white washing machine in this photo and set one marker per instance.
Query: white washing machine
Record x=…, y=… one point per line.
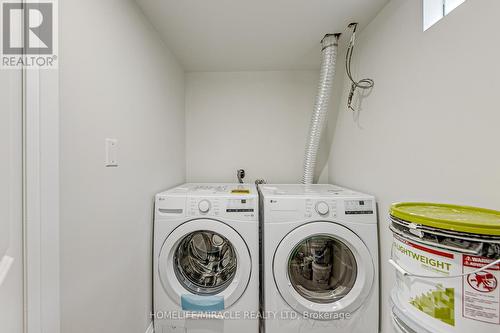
x=320, y=260
x=206, y=248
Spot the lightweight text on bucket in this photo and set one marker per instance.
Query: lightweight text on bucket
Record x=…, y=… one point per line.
x=406, y=273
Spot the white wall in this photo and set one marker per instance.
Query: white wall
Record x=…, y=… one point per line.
x=117, y=80
x=11, y=206
x=429, y=131
x=252, y=120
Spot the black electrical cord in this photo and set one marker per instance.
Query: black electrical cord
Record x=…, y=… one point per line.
x=361, y=84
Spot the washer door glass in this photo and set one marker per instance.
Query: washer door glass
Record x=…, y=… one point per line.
x=205, y=262
x=204, y=257
x=322, y=269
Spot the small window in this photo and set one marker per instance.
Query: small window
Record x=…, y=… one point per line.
x=435, y=10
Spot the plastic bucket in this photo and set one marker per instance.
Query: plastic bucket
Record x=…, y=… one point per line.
x=447, y=266
x=402, y=322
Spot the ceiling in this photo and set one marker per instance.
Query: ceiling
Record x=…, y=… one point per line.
x=233, y=35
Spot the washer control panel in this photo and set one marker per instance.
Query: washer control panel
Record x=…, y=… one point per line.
x=204, y=206
x=235, y=208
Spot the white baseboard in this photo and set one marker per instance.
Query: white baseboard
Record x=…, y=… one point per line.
x=151, y=328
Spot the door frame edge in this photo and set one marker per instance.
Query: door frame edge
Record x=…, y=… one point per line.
x=41, y=201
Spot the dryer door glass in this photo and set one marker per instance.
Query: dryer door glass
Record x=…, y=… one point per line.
x=205, y=262
x=322, y=269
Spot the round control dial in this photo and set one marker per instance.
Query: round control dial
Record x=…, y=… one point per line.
x=204, y=206
x=322, y=208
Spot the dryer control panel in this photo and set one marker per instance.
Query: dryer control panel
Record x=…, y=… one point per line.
x=362, y=210
x=357, y=207
x=321, y=208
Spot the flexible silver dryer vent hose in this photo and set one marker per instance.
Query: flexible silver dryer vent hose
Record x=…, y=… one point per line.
x=329, y=46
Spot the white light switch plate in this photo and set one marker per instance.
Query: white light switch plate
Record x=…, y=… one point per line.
x=111, y=152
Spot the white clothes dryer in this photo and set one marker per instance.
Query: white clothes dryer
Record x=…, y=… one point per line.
x=320, y=260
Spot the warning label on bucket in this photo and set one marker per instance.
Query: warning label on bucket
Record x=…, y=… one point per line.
x=481, y=293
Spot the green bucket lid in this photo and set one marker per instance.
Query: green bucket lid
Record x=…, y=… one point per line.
x=449, y=217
